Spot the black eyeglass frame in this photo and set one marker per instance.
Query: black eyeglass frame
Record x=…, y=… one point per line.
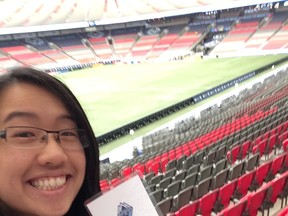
x=83, y=140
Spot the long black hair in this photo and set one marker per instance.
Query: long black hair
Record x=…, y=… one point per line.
x=90, y=185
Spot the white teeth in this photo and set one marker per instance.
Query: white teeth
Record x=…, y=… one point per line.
x=49, y=183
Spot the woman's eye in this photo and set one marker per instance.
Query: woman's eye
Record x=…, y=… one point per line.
x=24, y=134
x=68, y=133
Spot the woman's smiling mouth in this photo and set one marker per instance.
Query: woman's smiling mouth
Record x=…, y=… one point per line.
x=50, y=183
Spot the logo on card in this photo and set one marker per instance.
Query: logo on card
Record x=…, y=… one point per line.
x=124, y=209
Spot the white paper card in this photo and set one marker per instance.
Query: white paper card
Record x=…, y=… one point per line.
x=129, y=198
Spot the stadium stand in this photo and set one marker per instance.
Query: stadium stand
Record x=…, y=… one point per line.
x=219, y=33
x=123, y=41
x=250, y=184
x=265, y=31
x=235, y=151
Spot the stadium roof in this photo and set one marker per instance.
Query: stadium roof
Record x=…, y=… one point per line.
x=19, y=16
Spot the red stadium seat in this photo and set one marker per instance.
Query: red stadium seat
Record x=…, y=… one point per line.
x=276, y=187
x=276, y=166
x=256, y=200
x=260, y=147
x=245, y=147
x=238, y=209
x=115, y=181
x=126, y=172
x=140, y=169
x=189, y=209
x=226, y=193
x=243, y=184
x=272, y=141
x=233, y=154
x=261, y=174
x=164, y=161
x=285, y=145
x=207, y=202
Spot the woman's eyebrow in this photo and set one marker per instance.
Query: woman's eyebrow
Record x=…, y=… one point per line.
x=65, y=117
x=19, y=114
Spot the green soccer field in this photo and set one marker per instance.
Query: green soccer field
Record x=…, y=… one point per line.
x=114, y=95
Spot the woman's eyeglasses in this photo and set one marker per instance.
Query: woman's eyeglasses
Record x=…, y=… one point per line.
x=33, y=137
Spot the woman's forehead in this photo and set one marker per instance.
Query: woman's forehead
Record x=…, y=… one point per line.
x=25, y=101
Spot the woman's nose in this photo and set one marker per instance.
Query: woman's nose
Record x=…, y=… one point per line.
x=52, y=153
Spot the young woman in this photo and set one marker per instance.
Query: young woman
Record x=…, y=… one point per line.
x=49, y=158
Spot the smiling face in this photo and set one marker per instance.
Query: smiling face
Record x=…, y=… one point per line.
x=40, y=181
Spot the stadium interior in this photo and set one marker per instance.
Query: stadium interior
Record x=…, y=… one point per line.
x=228, y=156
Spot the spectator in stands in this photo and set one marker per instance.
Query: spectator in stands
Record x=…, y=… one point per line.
x=49, y=159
